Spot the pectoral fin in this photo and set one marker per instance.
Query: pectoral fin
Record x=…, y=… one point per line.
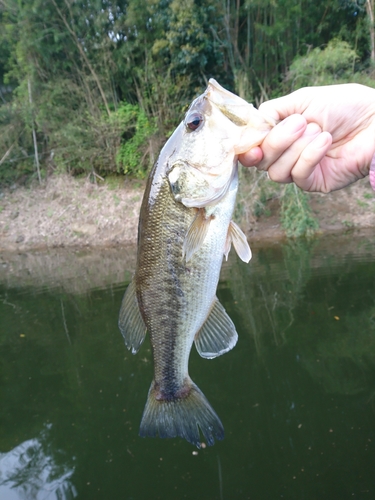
x=237, y=237
x=196, y=234
x=218, y=334
x=130, y=322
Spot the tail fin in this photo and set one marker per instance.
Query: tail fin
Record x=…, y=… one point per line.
x=181, y=417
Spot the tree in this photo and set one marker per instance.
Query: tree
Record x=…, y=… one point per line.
x=87, y=62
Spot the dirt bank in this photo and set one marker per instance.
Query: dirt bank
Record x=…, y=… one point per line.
x=68, y=212
x=350, y=209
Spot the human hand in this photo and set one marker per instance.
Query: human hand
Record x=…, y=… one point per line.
x=325, y=140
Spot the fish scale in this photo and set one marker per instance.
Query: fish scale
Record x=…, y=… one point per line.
x=179, y=307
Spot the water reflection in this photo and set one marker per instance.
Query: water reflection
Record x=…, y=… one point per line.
x=28, y=472
x=325, y=309
x=296, y=395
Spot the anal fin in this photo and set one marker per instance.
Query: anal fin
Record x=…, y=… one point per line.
x=239, y=240
x=218, y=334
x=130, y=321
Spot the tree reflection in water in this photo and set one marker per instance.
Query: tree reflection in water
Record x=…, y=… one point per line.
x=28, y=472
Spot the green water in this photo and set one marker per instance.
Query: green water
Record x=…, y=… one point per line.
x=296, y=395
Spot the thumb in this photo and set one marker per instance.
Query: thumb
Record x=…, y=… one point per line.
x=280, y=108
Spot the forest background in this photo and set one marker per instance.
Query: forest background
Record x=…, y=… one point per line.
x=96, y=87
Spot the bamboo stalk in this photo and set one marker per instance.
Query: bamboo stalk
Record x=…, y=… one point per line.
x=83, y=55
x=34, y=134
x=6, y=154
x=370, y=13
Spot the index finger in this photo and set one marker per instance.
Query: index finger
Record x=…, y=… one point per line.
x=280, y=138
x=282, y=107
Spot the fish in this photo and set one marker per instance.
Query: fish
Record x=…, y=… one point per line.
x=185, y=229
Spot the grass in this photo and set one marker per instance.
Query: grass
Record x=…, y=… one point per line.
x=362, y=204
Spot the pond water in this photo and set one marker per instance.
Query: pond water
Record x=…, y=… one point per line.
x=296, y=395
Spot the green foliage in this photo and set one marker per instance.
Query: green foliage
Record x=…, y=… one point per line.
x=266, y=192
x=83, y=59
x=296, y=215
x=263, y=38
x=137, y=130
x=16, y=158
x=326, y=66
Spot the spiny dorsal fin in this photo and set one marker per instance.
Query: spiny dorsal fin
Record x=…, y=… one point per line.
x=196, y=234
x=218, y=334
x=130, y=322
x=237, y=237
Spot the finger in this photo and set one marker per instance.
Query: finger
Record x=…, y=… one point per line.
x=285, y=106
x=281, y=169
x=280, y=138
x=251, y=157
x=304, y=172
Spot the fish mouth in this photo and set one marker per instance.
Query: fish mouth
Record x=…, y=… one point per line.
x=236, y=109
x=232, y=106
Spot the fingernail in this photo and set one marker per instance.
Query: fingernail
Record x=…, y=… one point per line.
x=312, y=129
x=323, y=140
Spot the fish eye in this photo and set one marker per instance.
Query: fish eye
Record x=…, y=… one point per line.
x=194, y=121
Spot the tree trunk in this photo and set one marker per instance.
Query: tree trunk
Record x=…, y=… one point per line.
x=370, y=13
x=83, y=54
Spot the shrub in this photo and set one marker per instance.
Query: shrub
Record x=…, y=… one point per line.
x=137, y=132
x=296, y=215
x=333, y=64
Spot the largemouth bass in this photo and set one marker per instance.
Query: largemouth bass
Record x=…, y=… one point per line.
x=185, y=229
